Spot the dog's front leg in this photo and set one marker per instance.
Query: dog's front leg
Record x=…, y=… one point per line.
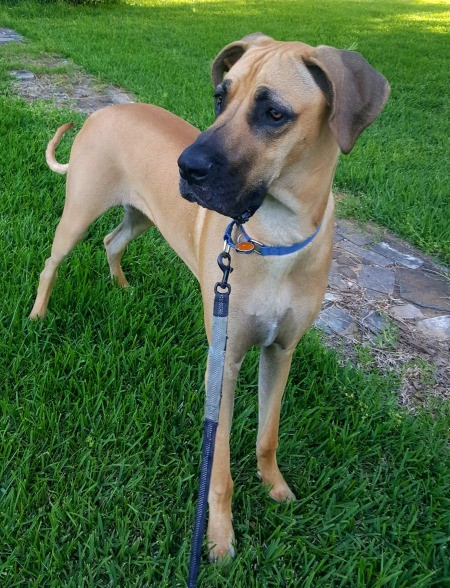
x=220, y=529
x=274, y=369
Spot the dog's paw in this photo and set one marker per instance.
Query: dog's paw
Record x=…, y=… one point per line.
x=220, y=542
x=120, y=280
x=281, y=492
x=277, y=487
x=221, y=554
x=36, y=315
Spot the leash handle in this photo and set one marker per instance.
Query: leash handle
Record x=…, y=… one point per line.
x=216, y=361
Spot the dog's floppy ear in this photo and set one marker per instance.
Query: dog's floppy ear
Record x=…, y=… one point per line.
x=357, y=92
x=231, y=53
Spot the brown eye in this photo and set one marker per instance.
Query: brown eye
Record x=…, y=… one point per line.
x=274, y=114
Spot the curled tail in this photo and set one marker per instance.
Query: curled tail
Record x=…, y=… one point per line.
x=59, y=168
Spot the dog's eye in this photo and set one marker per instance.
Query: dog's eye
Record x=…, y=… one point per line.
x=275, y=115
x=218, y=102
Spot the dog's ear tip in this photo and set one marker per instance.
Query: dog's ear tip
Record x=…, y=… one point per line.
x=225, y=60
x=256, y=38
x=232, y=52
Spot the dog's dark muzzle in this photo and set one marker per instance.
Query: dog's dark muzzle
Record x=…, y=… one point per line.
x=208, y=178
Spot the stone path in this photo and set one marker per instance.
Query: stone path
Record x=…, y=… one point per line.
x=8, y=35
x=72, y=89
x=65, y=85
x=387, y=305
x=387, y=297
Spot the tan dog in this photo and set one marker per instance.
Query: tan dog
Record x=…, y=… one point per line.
x=284, y=111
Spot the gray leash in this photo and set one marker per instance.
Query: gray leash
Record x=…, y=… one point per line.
x=216, y=360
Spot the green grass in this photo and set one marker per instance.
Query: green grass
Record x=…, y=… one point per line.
x=101, y=404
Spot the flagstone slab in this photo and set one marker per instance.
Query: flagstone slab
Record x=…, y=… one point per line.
x=438, y=327
x=377, y=278
x=8, y=36
x=366, y=255
x=376, y=322
x=23, y=75
x=353, y=233
x=396, y=256
x=406, y=311
x=334, y=319
x=424, y=289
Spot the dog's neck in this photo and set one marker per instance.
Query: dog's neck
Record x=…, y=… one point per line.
x=295, y=204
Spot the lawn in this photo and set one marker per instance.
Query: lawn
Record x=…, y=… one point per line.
x=101, y=404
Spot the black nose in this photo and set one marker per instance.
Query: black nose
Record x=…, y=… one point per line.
x=194, y=165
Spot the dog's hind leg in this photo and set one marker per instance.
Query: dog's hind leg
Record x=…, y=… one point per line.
x=273, y=373
x=134, y=224
x=76, y=218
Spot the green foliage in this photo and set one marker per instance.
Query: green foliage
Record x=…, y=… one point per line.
x=82, y=2
x=94, y=2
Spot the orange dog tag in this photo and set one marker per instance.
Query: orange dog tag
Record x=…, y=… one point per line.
x=245, y=247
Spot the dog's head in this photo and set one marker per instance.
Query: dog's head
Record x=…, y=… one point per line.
x=278, y=104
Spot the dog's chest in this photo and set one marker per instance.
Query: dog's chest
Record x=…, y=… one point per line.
x=270, y=316
x=270, y=301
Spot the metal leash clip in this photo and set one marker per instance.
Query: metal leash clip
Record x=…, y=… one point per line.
x=224, y=262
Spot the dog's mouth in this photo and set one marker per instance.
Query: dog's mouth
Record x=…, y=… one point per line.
x=231, y=208
x=210, y=179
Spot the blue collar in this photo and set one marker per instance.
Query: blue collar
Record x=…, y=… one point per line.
x=248, y=245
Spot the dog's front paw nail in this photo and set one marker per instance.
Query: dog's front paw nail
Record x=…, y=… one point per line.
x=221, y=542
x=221, y=555
x=281, y=493
x=283, y=496
x=34, y=316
